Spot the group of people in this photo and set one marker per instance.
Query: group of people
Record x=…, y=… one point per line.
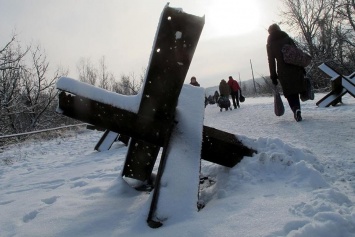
x=291, y=77
x=230, y=88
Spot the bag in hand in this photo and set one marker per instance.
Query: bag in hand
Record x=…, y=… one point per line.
x=241, y=97
x=295, y=56
x=309, y=93
x=279, y=108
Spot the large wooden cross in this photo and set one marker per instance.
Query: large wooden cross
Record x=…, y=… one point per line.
x=150, y=126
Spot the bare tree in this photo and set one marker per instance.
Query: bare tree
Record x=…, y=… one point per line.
x=102, y=77
x=124, y=86
x=87, y=71
x=347, y=10
x=39, y=90
x=129, y=84
x=27, y=93
x=11, y=67
x=103, y=74
x=322, y=30
x=314, y=22
x=105, y=77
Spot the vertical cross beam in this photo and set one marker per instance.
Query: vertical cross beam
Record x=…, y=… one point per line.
x=172, y=52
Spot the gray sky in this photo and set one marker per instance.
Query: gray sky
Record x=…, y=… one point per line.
x=123, y=31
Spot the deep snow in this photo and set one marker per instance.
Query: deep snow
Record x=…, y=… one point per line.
x=301, y=182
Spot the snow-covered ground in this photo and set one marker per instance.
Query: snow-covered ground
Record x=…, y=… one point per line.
x=301, y=182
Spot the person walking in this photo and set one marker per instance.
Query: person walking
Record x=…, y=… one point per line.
x=224, y=89
x=194, y=82
x=291, y=77
x=235, y=88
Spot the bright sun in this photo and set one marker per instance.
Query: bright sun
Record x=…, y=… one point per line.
x=231, y=17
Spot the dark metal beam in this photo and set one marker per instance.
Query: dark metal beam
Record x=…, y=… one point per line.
x=218, y=146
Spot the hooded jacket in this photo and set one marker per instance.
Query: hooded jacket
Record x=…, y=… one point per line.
x=224, y=89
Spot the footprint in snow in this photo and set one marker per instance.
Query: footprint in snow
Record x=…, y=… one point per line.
x=75, y=178
x=79, y=184
x=6, y=202
x=50, y=200
x=30, y=216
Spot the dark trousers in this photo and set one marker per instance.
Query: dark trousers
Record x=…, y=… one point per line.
x=294, y=102
x=235, y=98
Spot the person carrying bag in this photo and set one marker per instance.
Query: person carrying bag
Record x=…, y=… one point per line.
x=291, y=77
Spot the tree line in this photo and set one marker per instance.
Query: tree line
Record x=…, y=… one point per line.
x=28, y=94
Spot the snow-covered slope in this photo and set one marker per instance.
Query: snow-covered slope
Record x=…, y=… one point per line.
x=301, y=182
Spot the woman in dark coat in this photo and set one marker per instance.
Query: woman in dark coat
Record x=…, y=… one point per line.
x=224, y=89
x=291, y=77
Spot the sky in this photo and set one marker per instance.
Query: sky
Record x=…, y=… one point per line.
x=300, y=183
x=123, y=32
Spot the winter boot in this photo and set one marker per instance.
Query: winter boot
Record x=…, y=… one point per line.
x=297, y=115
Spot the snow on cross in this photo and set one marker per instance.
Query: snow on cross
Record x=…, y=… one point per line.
x=340, y=86
x=157, y=117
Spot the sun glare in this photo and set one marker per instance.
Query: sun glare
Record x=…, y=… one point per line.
x=231, y=17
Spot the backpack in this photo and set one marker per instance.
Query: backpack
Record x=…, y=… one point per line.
x=295, y=56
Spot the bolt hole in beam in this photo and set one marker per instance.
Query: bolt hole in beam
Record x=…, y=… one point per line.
x=178, y=35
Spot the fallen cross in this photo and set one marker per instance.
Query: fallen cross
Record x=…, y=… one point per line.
x=155, y=118
x=340, y=86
